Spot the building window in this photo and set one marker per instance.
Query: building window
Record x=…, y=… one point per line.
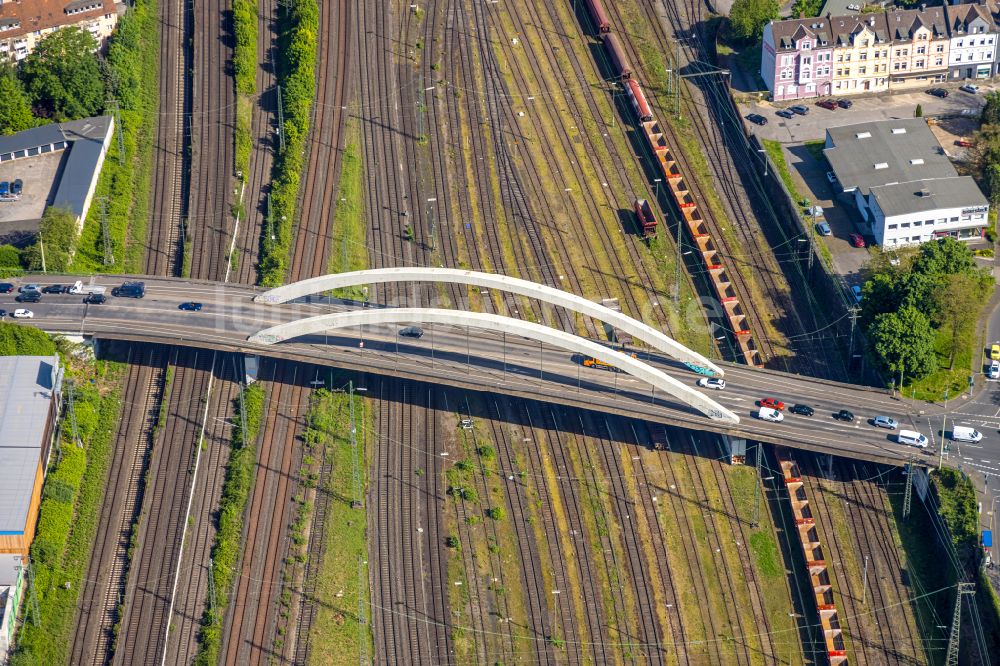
x=920, y=64
x=966, y=218
x=940, y=48
x=905, y=225
x=921, y=50
x=893, y=226
x=954, y=219
x=938, y=62
x=915, y=239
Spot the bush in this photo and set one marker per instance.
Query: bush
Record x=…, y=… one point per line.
x=297, y=73
x=10, y=256
x=245, y=21
x=496, y=513
x=229, y=537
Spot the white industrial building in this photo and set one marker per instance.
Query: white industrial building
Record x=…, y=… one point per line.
x=903, y=183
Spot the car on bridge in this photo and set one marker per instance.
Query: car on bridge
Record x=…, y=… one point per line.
x=96, y=299
x=6, y=287
x=414, y=332
x=965, y=434
x=804, y=410
x=31, y=296
x=772, y=403
x=772, y=415
x=21, y=313
x=885, y=422
x=912, y=438
x=844, y=415
x=55, y=289
x=712, y=383
x=190, y=306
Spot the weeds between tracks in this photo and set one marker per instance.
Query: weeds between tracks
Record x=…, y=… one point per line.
x=228, y=539
x=297, y=73
x=245, y=58
x=126, y=178
x=67, y=525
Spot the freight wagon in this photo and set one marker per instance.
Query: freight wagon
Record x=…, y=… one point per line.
x=644, y=213
x=639, y=102
x=619, y=60
x=596, y=10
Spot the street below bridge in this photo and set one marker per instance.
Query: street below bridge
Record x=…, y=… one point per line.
x=486, y=361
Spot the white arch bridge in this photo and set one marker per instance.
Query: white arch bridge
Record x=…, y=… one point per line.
x=496, y=323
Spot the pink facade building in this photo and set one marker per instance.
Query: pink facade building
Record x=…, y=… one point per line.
x=797, y=58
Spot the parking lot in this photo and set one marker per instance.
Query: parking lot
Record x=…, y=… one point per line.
x=39, y=177
x=812, y=126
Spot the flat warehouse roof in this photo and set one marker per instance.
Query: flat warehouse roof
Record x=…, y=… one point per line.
x=867, y=155
x=928, y=195
x=26, y=393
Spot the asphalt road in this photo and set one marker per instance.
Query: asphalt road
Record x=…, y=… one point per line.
x=487, y=361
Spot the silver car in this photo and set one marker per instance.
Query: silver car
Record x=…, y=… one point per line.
x=885, y=422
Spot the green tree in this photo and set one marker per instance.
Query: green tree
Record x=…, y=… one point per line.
x=748, y=17
x=57, y=232
x=919, y=111
x=992, y=182
x=62, y=76
x=904, y=340
x=10, y=256
x=991, y=110
x=954, y=300
x=15, y=109
x=944, y=256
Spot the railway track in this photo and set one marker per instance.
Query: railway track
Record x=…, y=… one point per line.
x=105, y=580
x=151, y=577
x=264, y=124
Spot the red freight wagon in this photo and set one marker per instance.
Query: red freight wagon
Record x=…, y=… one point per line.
x=618, y=59
x=638, y=101
x=597, y=13
x=644, y=212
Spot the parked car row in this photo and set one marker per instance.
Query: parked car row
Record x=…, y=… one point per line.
x=11, y=190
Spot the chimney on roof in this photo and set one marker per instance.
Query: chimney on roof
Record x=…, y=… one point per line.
x=871, y=21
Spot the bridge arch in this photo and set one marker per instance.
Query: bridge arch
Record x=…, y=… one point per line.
x=646, y=333
x=500, y=324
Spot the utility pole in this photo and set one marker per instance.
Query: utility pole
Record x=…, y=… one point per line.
x=944, y=429
x=854, y=321
x=363, y=659
x=32, y=595
x=864, y=585
x=962, y=589
x=281, y=122
x=109, y=255
x=755, y=521
x=41, y=245
x=71, y=400
x=112, y=105
x=430, y=209
x=357, y=502
x=908, y=495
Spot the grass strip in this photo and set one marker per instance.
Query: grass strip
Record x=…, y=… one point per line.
x=297, y=75
x=245, y=25
x=229, y=537
x=71, y=502
x=350, y=245
x=126, y=177
x=334, y=633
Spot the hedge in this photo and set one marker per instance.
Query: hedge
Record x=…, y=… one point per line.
x=132, y=67
x=297, y=74
x=67, y=525
x=245, y=22
x=16, y=339
x=228, y=538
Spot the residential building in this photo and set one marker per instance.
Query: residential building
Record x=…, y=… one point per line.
x=25, y=22
x=796, y=58
x=860, y=53
x=919, y=52
x=972, y=48
x=29, y=407
x=904, y=186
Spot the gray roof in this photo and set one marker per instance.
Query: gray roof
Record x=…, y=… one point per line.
x=787, y=33
x=961, y=18
x=884, y=152
x=26, y=391
x=844, y=28
x=928, y=195
x=87, y=137
x=903, y=23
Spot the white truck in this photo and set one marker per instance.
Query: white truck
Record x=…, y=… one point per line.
x=81, y=288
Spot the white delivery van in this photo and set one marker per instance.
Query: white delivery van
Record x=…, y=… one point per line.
x=912, y=438
x=964, y=434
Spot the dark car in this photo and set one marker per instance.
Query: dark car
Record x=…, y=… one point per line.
x=845, y=103
x=938, y=92
x=844, y=415
x=804, y=410
x=29, y=297
x=4, y=188
x=799, y=109
x=3, y=313
x=6, y=287
x=95, y=299
x=827, y=104
x=784, y=113
x=411, y=332
x=190, y=306
x=757, y=119
x=16, y=187
x=53, y=289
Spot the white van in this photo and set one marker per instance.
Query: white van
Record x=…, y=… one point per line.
x=912, y=438
x=964, y=434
